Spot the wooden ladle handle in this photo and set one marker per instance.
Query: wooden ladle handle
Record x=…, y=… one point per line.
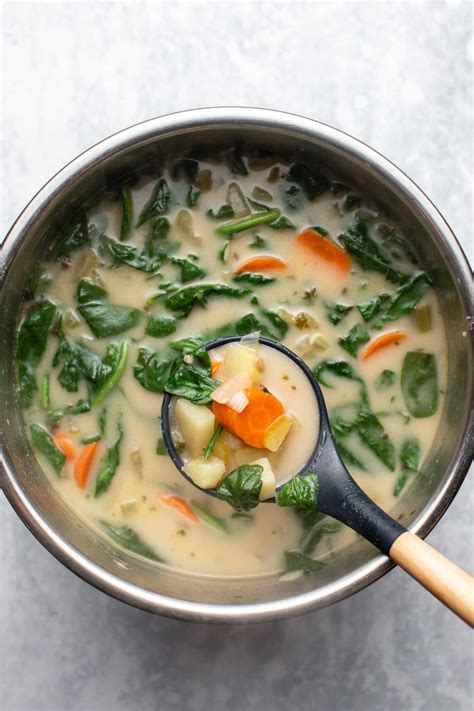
x=451, y=585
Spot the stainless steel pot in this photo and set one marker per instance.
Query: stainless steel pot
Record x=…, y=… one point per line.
x=198, y=598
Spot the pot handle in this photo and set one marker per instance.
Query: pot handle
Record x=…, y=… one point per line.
x=451, y=585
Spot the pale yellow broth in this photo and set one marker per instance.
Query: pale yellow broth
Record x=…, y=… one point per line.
x=254, y=546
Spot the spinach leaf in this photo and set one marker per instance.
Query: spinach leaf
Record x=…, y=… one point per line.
x=43, y=441
x=193, y=196
x=295, y=560
x=280, y=326
x=108, y=465
x=129, y=255
x=101, y=422
x=189, y=269
x=241, y=488
x=367, y=253
x=354, y=339
x=153, y=369
x=129, y=539
x=158, y=230
x=318, y=533
x=223, y=213
x=253, y=278
x=405, y=299
x=410, y=454
x=79, y=361
x=74, y=235
x=282, y=223
x=336, y=312
x=235, y=162
x=419, y=381
x=30, y=346
x=112, y=369
x=186, y=168
x=248, y=223
x=343, y=370
x=127, y=214
x=309, y=517
x=185, y=298
x=385, y=380
x=222, y=253
x=373, y=434
x=88, y=292
x=311, y=181
x=400, y=483
x=371, y=307
x=158, y=203
x=189, y=344
x=161, y=448
x=206, y=516
x=160, y=326
x=191, y=383
x=109, y=320
x=348, y=457
x=258, y=242
x=301, y=490
x=39, y=277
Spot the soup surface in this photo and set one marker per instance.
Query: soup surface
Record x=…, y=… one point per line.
x=132, y=289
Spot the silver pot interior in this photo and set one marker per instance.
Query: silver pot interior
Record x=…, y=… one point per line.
x=141, y=149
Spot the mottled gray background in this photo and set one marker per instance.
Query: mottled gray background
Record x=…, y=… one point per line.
x=397, y=75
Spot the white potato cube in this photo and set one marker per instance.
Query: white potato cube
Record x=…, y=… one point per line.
x=241, y=359
x=206, y=473
x=196, y=424
x=268, y=479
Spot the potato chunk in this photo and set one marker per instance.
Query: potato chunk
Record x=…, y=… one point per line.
x=196, y=424
x=268, y=479
x=241, y=359
x=206, y=473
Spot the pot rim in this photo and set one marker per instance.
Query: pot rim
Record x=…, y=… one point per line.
x=202, y=119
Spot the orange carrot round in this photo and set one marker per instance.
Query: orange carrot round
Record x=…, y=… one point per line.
x=324, y=250
x=251, y=424
x=64, y=443
x=386, y=339
x=215, y=365
x=83, y=463
x=262, y=263
x=180, y=504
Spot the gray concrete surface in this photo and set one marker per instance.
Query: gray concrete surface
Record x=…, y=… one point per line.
x=397, y=75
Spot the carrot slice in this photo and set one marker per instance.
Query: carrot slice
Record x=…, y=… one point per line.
x=83, y=463
x=251, y=424
x=64, y=443
x=180, y=504
x=386, y=339
x=215, y=365
x=263, y=263
x=325, y=250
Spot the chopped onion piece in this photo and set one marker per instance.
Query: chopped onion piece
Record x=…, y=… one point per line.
x=238, y=402
x=228, y=388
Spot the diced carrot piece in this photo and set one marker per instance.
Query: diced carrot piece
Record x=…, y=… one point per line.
x=263, y=263
x=215, y=365
x=386, y=339
x=83, y=463
x=251, y=424
x=64, y=443
x=324, y=250
x=180, y=504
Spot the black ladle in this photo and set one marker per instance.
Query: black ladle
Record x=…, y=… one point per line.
x=340, y=496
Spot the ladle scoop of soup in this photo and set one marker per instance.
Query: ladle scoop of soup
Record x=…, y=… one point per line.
x=263, y=411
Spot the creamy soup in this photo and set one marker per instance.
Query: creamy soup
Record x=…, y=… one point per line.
x=120, y=310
